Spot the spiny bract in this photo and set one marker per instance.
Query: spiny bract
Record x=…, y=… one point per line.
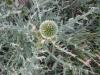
x=48, y=29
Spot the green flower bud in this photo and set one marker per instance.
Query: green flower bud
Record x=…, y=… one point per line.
x=48, y=29
x=9, y=2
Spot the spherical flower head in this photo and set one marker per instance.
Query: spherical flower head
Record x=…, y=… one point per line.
x=48, y=29
x=9, y=2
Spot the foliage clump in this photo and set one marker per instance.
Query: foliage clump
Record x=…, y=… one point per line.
x=49, y=37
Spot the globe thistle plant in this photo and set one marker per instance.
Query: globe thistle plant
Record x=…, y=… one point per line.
x=48, y=29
